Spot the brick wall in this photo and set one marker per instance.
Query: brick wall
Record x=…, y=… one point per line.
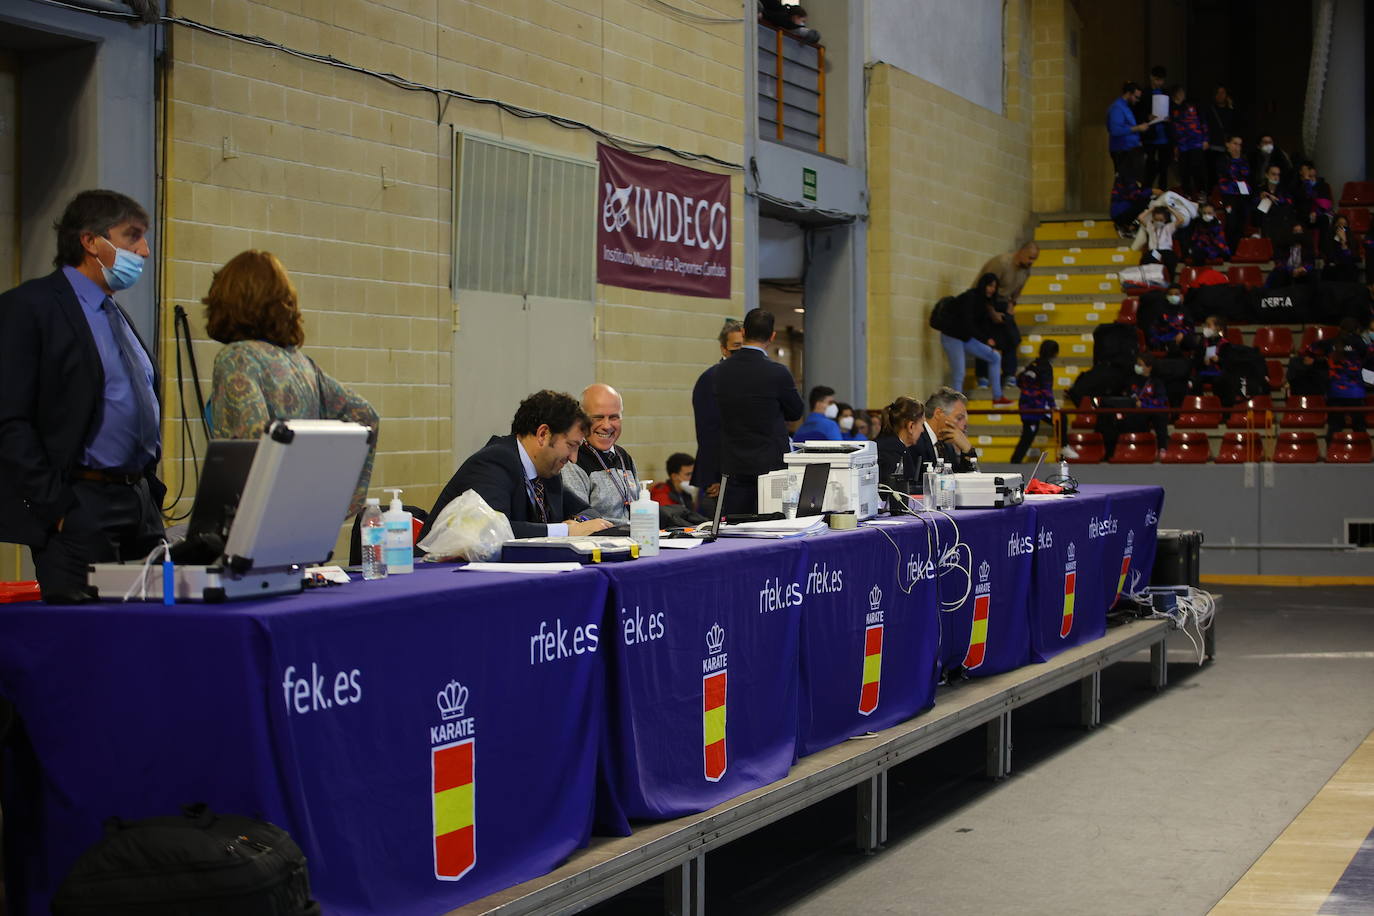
x=274, y=152
x=950, y=186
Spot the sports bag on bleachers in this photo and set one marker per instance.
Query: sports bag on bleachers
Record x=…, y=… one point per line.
x=1247, y=364
x=199, y=864
x=941, y=314
x=1115, y=345
x=1135, y=279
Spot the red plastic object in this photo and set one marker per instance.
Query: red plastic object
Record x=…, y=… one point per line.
x=1260, y=409
x=1187, y=447
x=1129, y=307
x=1357, y=194
x=1274, y=341
x=1349, y=447
x=1200, y=411
x=1084, y=420
x=1135, y=448
x=1274, y=373
x=1298, y=447
x=1298, y=412
x=1253, y=251
x=1090, y=448
x=1246, y=275
x=14, y=592
x=1359, y=219
x=1315, y=333
x=1238, y=448
x=1233, y=335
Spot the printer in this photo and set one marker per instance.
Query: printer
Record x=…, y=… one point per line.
x=852, y=485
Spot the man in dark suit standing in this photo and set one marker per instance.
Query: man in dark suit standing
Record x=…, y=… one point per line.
x=518, y=475
x=79, y=414
x=945, y=435
x=756, y=398
x=706, y=472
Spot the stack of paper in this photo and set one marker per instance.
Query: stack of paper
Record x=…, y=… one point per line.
x=775, y=528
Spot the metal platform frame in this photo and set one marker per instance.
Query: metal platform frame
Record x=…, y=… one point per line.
x=678, y=847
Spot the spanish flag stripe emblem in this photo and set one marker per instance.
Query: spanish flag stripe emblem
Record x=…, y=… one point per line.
x=1067, y=624
x=978, y=637
x=454, y=806
x=873, y=669
x=713, y=725
x=1121, y=583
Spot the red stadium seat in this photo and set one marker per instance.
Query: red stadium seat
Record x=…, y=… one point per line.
x=1246, y=275
x=1254, y=251
x=1275, y=374
x=1129, y=307
x=1234, y=336
x=1359, y=219
x=1187, y=276
x=1187, y=447
x=1298, y=412
x=1256, y=413
x=1297, y=447
x=1089, y=446
x=1347, y=447
x=1369, y=414
x=1200, y=411
x=1315, y=333
x=1274, y=341
x=1358, y=194
x=1238, y=448
x=1084, y=420
x=1135, y=448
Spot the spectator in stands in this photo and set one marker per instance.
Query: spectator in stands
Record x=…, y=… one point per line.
x=1207, y=242
x=1169, y=330
x=968, y=316
x=1235, y=188
x=820, y=422
x=1036, y=384
x=905, y=423
x=1149, y=391
x=1209, y=360
x=848, y=423
x=1123, y=134
x=1155, y=142
x=677, y=490
x=789, y=17
x=1013, y=269
x=1190, y=144
x=1339, y=252
x=1312, y=196
x=1267, y=154
x=1293, y=263
x=863, y=427
x=1129, y=200
x=1221, y=126
x=1347, y=358
x=1307, y=372
x=706, y=476
x=603, y=474
x=1273, y=212
x=1156, y=238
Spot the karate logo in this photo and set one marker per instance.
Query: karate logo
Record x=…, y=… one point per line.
x=615, y=212
x=873, y=654
x=713, y=704
x=454, y=790
x=978, y=635
x=1125, y=566
x=1070, y=575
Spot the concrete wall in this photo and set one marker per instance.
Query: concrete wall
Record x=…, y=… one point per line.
x=956, y=46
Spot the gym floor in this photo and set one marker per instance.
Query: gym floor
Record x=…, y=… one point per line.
x=1163, y=809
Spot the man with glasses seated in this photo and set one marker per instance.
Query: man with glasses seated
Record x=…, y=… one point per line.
x=518, y=475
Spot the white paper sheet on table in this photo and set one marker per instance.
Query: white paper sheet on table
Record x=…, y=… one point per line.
x=775, y=528
x=678, y=543
x=520, y=567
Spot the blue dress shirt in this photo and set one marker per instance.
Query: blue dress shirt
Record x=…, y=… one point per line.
x=116, y=443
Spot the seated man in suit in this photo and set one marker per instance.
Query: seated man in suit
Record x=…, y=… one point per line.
x=945, y=435
x=603, y=474
x=757, y=397
x=518, y=475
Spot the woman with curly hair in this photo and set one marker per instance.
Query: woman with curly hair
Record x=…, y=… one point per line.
x=261, y=375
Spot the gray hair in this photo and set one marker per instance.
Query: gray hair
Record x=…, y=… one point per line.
x=731, y=326
x=944, y=398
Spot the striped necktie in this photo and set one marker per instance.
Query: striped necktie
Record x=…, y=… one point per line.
x=537, y=491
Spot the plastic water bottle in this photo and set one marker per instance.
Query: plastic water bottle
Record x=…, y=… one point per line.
x=398, y=542
x=1063, y=470
x=371, y=534
x=644, y=521
x=946, y=486
x=930, y=486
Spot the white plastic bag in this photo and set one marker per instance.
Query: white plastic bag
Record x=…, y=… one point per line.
x=467, y=529
x=1144, y=275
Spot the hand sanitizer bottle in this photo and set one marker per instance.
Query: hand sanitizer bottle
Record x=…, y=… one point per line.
x=644, y=521
x=399, y=543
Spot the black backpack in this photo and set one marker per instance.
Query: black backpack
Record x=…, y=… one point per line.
x=1115, y=345
x=942, y=314
x=1248, y=365
x=199, y=864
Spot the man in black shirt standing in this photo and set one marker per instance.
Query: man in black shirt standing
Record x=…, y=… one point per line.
x=757, y=397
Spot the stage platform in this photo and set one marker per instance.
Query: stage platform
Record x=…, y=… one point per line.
x=678, y=847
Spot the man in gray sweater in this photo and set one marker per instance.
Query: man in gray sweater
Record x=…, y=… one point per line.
x=604, y=474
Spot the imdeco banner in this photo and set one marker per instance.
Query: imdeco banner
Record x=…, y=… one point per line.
x=662, y=227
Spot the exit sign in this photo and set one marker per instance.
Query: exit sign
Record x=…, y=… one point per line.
x=809, y=184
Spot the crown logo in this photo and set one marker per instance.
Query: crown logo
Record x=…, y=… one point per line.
x=452, y=700
x=1130, y=538
x=875, y=598
x=715, y=639
x=1071, y=551
x=983, y=571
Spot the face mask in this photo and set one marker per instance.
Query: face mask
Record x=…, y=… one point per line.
x=1207, y=217
x=846, y=423
x=1139, y=369
x=1175, y=300
x=128, y=267
x=1266, y=149
x=831, y=411
x=1209, y=333
x=1159, y=224
x=1273, y=181
x=687, y=488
